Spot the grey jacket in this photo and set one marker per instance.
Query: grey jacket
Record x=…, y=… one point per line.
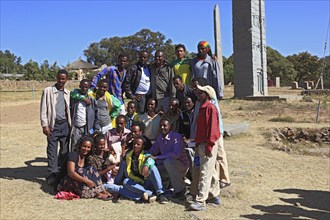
x=212, y=74
x=47, y=106
x=162, y=81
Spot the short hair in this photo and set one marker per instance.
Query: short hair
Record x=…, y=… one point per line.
x=201, y=81
x=123, y=55
x=153, y=99
x=160, y=51
x=121, y=116
x=132, y=102
x=85, y=80
x=188, y=97
x=174, y=99
x=177, y=77
x=165, y=118
x=141, y=138
x=180, y=46
x=103, y=81
x=140, y=124
x=63, y=71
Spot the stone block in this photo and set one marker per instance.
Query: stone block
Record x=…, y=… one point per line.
x=294, y=85
x=306, y=85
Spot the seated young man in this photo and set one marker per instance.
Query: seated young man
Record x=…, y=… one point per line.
x=169, y=153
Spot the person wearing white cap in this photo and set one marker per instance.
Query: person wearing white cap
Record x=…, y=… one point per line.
x=207, y=144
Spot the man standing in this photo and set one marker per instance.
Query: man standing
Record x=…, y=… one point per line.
x=161, y=81
x=56, y=122
x=116, y=76
x=222, y=163
x=205, y=179
x=84, y=113
x=137, y=82
x=181, y=66
x=108, y=106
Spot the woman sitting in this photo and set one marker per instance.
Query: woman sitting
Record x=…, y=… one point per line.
x=77, y=176
x=142, y=176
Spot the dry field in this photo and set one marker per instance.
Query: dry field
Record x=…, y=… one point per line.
x=266, y=184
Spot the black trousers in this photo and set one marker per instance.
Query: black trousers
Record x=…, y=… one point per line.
x=60, y=135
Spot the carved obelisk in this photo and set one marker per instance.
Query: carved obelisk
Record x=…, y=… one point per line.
x=217, y=40
x=249, y=37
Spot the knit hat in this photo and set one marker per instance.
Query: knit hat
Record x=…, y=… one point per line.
x=209, y=90
x=205, y=44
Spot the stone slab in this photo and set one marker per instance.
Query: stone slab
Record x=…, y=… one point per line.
x=234, y=129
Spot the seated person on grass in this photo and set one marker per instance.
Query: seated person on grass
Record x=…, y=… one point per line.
x=142, y=180
x=98, y=160
x=78, y=176
x=169, y=153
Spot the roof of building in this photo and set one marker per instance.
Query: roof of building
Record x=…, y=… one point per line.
x=81, y=64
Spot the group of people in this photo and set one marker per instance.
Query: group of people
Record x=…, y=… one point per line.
x=166, y=141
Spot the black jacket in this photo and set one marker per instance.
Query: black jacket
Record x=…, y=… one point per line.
x=132, y=79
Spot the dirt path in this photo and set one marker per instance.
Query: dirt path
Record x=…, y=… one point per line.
x=267, y=184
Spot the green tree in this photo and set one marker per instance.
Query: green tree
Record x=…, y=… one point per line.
x=31, y=71
x=306, y=65
x=107, y=50
x=9, y=63
x=325, y=70
x=280, y=66
x=48, y=72
x=228, y=69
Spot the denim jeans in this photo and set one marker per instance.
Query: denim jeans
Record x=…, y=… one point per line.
x=112, y=188
x=122, y=173
x=134, y=190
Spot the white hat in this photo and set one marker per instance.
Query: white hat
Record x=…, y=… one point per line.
x=209, y=90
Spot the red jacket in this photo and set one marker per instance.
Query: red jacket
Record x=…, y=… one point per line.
x=207, y=125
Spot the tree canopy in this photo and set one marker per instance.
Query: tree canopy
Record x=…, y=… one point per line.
x=279, y=66
x=108, y=49
x=308, y=67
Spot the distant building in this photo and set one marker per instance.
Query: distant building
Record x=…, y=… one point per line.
x=81, y=68
x=17, y=76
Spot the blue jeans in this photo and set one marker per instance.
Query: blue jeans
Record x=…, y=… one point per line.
x=133, y=190
x=122, y=173
x=112, y=188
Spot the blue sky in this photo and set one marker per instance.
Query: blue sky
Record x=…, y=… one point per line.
x=61, y=30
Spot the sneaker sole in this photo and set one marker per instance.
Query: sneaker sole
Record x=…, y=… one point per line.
x=152, y=199
x=144, y=197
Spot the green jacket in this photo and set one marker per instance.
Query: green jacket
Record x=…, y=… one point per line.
x=144, y=160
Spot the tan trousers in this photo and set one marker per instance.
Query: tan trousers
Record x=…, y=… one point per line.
x=205, y=182
x=222, y=165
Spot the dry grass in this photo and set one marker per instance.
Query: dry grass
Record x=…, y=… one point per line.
x=266, y=184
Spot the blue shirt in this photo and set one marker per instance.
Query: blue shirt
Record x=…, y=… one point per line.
x=115, y=81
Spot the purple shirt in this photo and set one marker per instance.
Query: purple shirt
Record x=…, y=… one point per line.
x=170, y=146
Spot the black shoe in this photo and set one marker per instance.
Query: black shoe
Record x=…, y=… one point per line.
x=50, y=179
x=162, y=199
x=180, y=195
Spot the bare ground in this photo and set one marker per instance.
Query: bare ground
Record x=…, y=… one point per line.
x=266, y=184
